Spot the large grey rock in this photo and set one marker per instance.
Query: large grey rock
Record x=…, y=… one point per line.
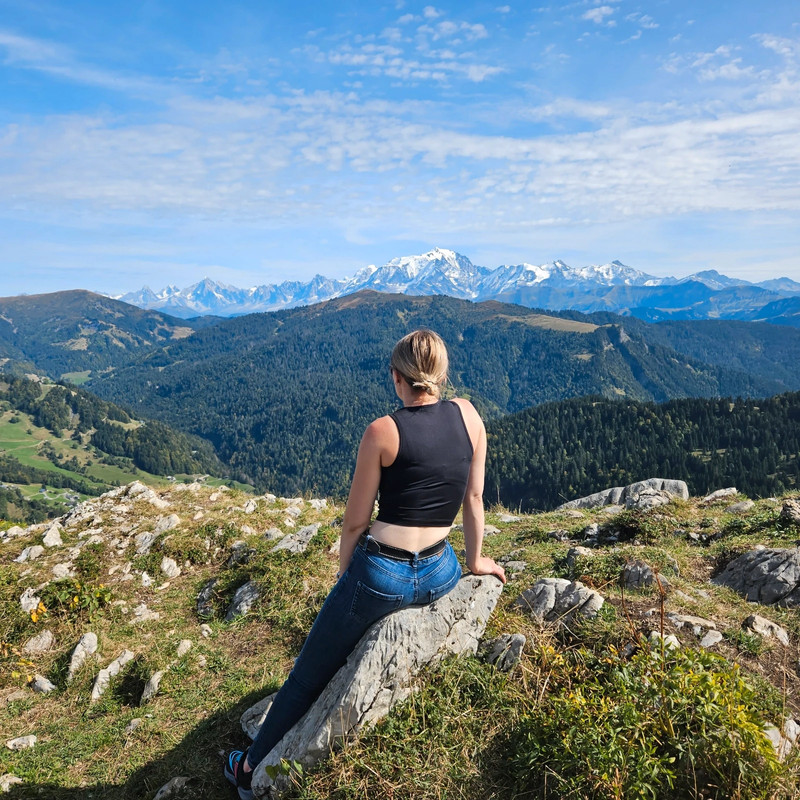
x=170, y=567
x=720, y=494
x=87, y=645
x=638, y=574
x=205, y=599
x=22, y=742
x=618, y=495
x=647, y=498
x=380, y=671
x=558, y=601
x=172, y=788
x=105, y=675
x=42, y=685
x=298, y=541
x=7, y=781
x=151, y=687
x=767, y=576
x=740, y=508
x=53, y=536
x=30, y=554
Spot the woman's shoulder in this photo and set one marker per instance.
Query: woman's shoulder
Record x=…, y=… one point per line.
x=467, y=409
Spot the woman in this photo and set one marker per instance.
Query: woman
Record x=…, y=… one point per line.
x=424, y=461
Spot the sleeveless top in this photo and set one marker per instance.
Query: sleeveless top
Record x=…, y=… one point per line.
x=425, y=485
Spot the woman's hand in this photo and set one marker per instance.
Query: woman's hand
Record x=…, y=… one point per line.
x=487, y=566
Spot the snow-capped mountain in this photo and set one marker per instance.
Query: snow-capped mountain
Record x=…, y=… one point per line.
x=556, y=285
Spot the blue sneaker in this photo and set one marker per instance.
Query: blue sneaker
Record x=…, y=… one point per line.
x=237, y=776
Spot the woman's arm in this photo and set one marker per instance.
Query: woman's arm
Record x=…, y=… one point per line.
x=364, y=489
x=473, y=499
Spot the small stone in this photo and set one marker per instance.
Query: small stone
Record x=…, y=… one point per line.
x=87, y=645
x=205, y=598
x=250, y=506
x=29, y=554
x=7, y=781
x=573, y=514
x=40, y=643
x=171, y=787
x=240, y=554
x=247, y=530
x=184, y=646
x=151, y=687
x=205, y=631
x=243, y=601
x=41, y=685
x=670, y=640
x=790, y=511
x=559, y=535
x=198, y=516
x=690, y=621
x=766, y=628
x=62, y=571
x=490, y=530
x=781, y=744
x=318, y=503
x=144, y=541
x=506, y=518
x=164, y=524
x=170, y=567
x=273, y=533
x=16, y=696
x=146, y=580
x=105, y=675
x=29, y=601
x=52, y=538
x=133, y=725
x=214, y=496
x=720, y=494
x=505, y=652
x=740, y=508
x=299, y=541
x=143, y=614
x=710, y=639
x=201, y=661
x=21, y=743
x=591, y=531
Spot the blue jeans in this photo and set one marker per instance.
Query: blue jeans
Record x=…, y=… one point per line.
x=372, y=587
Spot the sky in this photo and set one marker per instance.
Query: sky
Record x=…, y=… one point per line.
x=154, y=143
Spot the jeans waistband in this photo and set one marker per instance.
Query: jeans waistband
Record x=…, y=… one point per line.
x=397, y=553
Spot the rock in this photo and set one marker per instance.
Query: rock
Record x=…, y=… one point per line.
x=697, y=624
x=53, y=537
x=205, y=631
x=560, y=535
x=62, y=571
x=29, y=554
x=40, y=643
x=647, y=498
x=515, y=567
x=557, y=600
x=766, y=628
x=720, y=494
x=490, y=530
x=144, y=541
x=248, y=531
x=612, y=509
x=41, y=685
x=573, y=513
x=171, y=788
x=298, y=541
x=767, y=576
x=250, y=506
x=273, y=533
x=164, y=524
x=639, y=575
x=133, y=725
x=591, y=531
x=170, y=567
x=146, y=580
x=505, y=652
x=740, y=508
x=318, y=503
x=87, y=645
x=621, y=494
x=105, y=675
x=506, y=518
x=7, y=781
x=12, y=532
x=205, y=597
x=243, y=601
x=184, y=646
x=21, y=743
x=781, y=744
x=574, y=553
x=143, y=614
x=710, y=639
x=790, y=511
x=240, y=554
x=29, y=601
x=294, y=511
x=670, y=641
x=198, y=516
x=151, y=687
x=16, y=696
x=380, y=672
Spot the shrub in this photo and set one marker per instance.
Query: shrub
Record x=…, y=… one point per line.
x=683, y=726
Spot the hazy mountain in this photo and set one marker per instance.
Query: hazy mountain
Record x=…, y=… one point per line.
x=557, y=285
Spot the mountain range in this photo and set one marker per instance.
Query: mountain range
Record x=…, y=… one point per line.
x=608, y=287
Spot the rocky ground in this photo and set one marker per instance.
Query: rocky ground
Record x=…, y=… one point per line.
x=139, y=627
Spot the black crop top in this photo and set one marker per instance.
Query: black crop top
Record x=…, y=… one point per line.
x=425, y=485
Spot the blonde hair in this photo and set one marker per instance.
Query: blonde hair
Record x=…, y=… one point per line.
x=421, y=358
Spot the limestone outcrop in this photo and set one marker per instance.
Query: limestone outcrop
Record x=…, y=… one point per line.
x=640, y=495
x=379, y=674
x=767, y=576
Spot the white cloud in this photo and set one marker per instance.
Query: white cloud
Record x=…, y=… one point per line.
x=599, y=14
x=503, y=9
x=429, y=12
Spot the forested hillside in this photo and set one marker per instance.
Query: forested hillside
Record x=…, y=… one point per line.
x=76, y=333
x=58, y=442
x=285, y=396
x=555, y=452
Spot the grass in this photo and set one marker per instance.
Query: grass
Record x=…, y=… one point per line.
x=466, y=732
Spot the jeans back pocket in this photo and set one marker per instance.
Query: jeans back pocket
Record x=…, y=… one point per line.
x=370, y=605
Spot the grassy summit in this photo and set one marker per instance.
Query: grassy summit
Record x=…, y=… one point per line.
x=591, y=711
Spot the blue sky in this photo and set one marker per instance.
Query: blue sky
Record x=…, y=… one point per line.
x=155, y=143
